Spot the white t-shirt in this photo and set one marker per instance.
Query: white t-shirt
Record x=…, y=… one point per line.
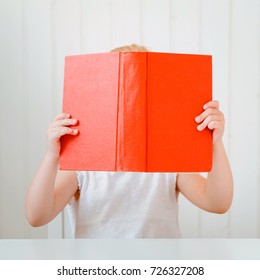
x=125, y=205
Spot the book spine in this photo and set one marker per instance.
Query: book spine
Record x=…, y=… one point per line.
x=132, y=115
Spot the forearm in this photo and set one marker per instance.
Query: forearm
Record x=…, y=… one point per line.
x=215, y=193
x=220, y=181
x=40, y=197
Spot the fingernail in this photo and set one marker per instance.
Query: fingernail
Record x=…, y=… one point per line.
x=197, y=119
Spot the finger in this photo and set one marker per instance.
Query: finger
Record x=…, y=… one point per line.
x=211, y=104
x=208, y=120
x=56, y=129
x=62, y=116
x=56, y=134
x=65, y=122
x=208, y=112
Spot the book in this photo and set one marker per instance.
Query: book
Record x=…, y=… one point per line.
x=136, y=112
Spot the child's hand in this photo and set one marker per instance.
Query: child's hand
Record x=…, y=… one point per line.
x=212, y=118
x=57, y=129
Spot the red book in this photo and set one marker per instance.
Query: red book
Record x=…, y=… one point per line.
x=136, y=112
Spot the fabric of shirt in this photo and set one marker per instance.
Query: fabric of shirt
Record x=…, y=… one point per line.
x=125, y=205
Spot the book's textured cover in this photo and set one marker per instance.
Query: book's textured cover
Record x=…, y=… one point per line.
x=136, y=112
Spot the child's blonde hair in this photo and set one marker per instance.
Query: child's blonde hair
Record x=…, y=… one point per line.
x=131, y=48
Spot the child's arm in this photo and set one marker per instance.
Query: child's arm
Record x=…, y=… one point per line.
x=51, y=189
x=215, y=193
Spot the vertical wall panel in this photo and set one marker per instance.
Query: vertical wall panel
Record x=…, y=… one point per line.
x=258, y=152
x=12, y=177
x=215, y=41
x=185, y=26
x=37, y=77
x=244, y=141
x=96, y=33
x=155, y=24
x=66, y=40
x=125, y=22
x=189, y=218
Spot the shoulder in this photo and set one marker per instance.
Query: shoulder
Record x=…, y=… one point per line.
x=189, y=180
x=67, y=180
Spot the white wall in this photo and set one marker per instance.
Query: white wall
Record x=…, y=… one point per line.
x=36, y=35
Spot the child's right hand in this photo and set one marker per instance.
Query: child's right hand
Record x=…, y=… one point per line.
x=59, y=127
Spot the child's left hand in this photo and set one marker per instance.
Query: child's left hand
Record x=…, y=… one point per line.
x=212, y=118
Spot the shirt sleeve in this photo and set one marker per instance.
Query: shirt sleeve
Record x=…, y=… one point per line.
x=80, y=179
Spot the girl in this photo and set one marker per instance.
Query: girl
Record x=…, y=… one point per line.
x=127, y=204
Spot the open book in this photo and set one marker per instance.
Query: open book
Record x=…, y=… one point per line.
x=136, y=112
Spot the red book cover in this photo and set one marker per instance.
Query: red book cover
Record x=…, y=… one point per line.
x=136, y=112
